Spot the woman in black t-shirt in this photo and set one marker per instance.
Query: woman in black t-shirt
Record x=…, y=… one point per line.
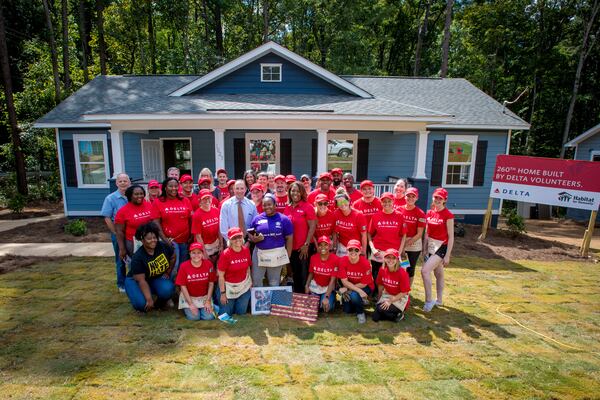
x=150, y=271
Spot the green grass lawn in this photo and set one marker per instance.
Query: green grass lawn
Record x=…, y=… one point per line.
x=65, y=332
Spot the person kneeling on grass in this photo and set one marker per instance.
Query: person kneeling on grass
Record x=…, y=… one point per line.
x=197, y=277
x=394, y=284
x=150, y=271
x=234, y=275
x=322, y=274
x=355, y=274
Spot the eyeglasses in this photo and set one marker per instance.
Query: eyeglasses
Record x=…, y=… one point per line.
x=323, y=203
x=305, y=180
x=353, y=250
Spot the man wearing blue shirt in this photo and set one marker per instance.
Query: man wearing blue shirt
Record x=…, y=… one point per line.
x=230, y=215
x=112, y=203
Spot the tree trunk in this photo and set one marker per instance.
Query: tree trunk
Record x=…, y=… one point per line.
x=582, y=57
x=218, y=29
x=65, y=44
x=83, y=35
x=446, y=42
x=205, y=18
x=10, y=106
x=265, y=20
x=101, y=42
x=420, y=38
x=53, y=53
x=151, y=37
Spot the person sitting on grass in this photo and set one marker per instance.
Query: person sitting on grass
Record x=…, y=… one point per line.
x=393, y=286
x=234, y=274
x=150, y=271
x=196, y=278
x=357, y=278
x=322, y=274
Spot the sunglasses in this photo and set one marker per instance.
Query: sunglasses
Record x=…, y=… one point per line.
x=353, y=250
x=343, y=201
x=323, y=203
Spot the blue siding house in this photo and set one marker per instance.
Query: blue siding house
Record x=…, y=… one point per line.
x=587, y=148
x=272, y=110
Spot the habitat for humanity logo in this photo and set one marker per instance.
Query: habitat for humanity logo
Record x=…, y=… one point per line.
x=564, y=196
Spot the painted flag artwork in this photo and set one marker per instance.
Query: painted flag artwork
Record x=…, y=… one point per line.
x=304, y=307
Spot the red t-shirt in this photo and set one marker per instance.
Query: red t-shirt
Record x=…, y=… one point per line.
x=368, y=209
x=355, y=196
x=235, y=264
x=350, y=226
x=436, y=224
x=174, y=215
x=413, y=219
x=196, y=280
x=132, y=216
x=399, y=203
x=387, y=230
x=281, y=203
x=224, y=192
x=194, y=200
x=259, y=208
x=206, y=223
x=325, y=225
x=323, y=270
x=356, y=273
x=330, y=196
x=300, y=215
x=394, y=282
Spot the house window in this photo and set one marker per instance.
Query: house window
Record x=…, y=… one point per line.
x=595, y=156
x=270, y=72
x=91, y=160
x=263, y=151
x=459, y=161
x=341, y=152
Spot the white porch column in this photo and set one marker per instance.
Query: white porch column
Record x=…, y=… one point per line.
x=116, y=143
x=321, y=150
x=219, y=148
x=421, y=155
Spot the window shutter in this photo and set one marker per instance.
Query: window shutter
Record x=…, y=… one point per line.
x=362, y=160
x=313, y=159
x=110, y=160
x=285, y=156
x=437, y=162
x=239, y=157
x=480, y=160
x=69, y=160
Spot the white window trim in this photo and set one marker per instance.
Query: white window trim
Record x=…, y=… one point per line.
x=594, y=153
x=162, y=152
x=271, y=65
x=460, y=138
x=264, y=136
x=91, y=138
x=344, y=136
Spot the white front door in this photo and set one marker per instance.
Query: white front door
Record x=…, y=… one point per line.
x=151, y=160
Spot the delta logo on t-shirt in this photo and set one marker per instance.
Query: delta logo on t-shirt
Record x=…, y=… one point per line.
x=210, y=221
x=435, y=221
x=142, y=214
x=387, y=224
x=203, y=276
x=391, y=282
x=176, y=209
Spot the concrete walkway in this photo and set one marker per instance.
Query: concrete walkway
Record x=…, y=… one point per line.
x=57, y=249
x=7, y=225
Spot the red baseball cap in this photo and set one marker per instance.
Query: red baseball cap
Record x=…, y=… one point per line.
x=221, y=170
x=387, y=195
x=353, y=244
x=196, y=246
x=366, y=183
x=321, y=197
x=412, y=190
x=185, y=178
x=153, y=183
x=391, y=252
x=279, y=178
x=290, y=179
x=204, y=193
x=324, y=239
x=337, y=171
x=257, y=186
x=204, y=180
x=233, y=232
x=325, y=175
x=441, y=192
x=230, y=182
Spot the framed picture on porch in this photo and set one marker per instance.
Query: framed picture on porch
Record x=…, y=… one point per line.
x=260, y=299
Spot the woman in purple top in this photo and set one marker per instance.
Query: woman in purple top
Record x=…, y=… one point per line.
x=272, y=232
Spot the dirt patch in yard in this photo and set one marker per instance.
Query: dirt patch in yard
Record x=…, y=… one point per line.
x=10, y=262
x=53, y=231
x=33, y=210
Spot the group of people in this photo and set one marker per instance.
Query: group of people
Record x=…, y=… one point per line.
x=204, y=248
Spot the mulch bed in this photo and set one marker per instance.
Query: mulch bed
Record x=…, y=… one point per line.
x=53, y=231
x=34, y=210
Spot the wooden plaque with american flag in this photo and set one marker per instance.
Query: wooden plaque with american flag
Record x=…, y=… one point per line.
x=304, y=307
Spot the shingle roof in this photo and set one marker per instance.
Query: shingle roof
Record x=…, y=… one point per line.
x=398, y=97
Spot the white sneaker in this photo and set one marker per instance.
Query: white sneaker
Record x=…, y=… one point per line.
x=428, y=306
x=362, y=318
x=170, y=303
x=121, y=289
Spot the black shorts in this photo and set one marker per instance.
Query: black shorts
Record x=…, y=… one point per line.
x=441, y=253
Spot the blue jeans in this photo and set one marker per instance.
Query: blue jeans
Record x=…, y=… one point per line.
x=331, y=300
x=119, y=264
x=355, y=305
x=203, y=315
x=161, y=287
x=237, y=306
x=181, y=254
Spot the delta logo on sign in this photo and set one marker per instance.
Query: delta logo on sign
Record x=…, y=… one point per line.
x=570, y=183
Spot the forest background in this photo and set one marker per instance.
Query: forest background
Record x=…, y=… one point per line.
x=543, y=54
